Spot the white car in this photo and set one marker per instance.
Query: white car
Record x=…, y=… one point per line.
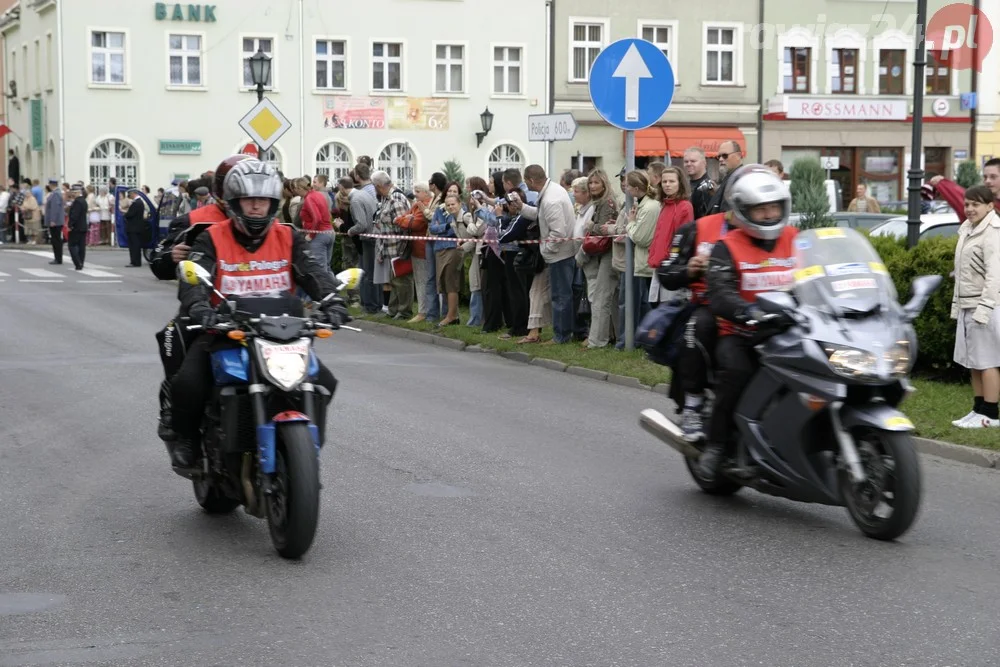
x=931, y=224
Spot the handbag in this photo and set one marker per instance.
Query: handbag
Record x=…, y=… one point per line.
x=401, y=267
x=661, y=331
x=596, y=245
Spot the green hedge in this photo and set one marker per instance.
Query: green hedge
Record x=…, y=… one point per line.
x=935, y=328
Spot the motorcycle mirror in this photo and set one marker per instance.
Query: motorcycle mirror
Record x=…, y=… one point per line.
x=193, y=274
x=775, y=302
x=923, y=287
x=350, y=279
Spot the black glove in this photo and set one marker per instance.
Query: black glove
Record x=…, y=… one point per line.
x=772, y=321
x=335, y=311
x=204, y=315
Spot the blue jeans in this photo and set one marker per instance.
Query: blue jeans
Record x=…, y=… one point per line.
x=475, y=309
x=322, y=248
x=431, y=298
x=561, y=276
x=640, y=297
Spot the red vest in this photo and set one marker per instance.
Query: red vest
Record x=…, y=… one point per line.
x=211, y=213
x=759, y=270
x=708, y=231
x=239, y=272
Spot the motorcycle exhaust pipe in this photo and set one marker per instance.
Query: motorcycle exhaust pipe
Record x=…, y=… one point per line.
x=657, y=424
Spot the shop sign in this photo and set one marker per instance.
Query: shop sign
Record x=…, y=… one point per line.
x=179, y=147
x=37, y=132
x=380, y=113
x=820, y=108
x=196, y=13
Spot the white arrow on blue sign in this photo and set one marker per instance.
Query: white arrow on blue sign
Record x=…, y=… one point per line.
x=631, y=84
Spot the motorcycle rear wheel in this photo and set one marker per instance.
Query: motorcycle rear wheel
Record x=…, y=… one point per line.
x=720, y=486
x=892, y=479
x=293, y=506
x=211, y=499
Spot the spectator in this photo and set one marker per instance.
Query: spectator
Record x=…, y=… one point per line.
x=136, y=229
x=415, y=224
x=432, y=299
x=363, y=207
x=362, y=174
x=30, y=211
x=654, y=172
x=702, y=186
x=602, y=278
x=93, y=217
x=864, y=203
x=392, y=204
x=555, y=217
x=567, y=179
x=104, y=204
x=448, y=258
x=639, y=223
x=730, y=159
x=473, y=227
x=321, y=184
x=37, y=190
x=673, y=192
x=496, y=300
x=953, y=193
x=343, y=222
x=77, y=220
x=315, y=216
x=584, y=214
x=13, y=166
x=513, y=227
x=55, y=219
x=977, y=292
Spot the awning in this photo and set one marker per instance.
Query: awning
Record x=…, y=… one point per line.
x=658, y=141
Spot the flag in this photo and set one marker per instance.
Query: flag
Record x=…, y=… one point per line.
x=4, y=129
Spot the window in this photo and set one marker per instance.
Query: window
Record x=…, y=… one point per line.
x=507, y=68
x=387, y=67
x=398, y=161
x=250, y=46
x=48, y=60
x=503, y=157
x=114, y=158
x=587, y=40
x=891, y=71
x=331, y=64
x=13, y=62
x=938, y=73
x=660, y=34
x=449, y=68
x=107, y=57
x=796, y=72
x=333, y=160
x=721, y=50
x=185, y=60
x=844, y=71
x=38, y=66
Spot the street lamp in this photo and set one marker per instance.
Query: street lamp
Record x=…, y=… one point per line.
x=916, y=172
x=486, y=118
x=260, y=71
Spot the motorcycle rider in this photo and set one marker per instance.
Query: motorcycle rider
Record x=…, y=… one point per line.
x=173, y=338
x=251, y=190
x=757, y=256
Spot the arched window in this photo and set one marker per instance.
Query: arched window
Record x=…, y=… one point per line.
x=399, y=162
x=271, y=155
x=333, y=160
x=503, y=157
x=114, y=158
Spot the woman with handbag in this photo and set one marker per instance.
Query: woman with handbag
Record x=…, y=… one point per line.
x=602, y=278
x=673, y=191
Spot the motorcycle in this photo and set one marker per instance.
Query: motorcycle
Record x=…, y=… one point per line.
x=819, y=421
x=264, y=425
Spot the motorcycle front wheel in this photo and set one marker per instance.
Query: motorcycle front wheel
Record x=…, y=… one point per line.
x=293, y=506
x=885, y=505
x=210, y=498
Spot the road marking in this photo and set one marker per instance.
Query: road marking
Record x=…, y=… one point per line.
x=48, y=255
x=42, y=273
x=98, y=282
x=94, y=273
x=4, y=275
x=37, y=280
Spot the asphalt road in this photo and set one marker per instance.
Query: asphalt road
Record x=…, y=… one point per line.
x=476, y=511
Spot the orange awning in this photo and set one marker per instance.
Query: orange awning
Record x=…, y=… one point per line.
x=658, y=141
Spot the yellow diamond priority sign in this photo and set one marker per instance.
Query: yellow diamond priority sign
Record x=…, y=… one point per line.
x=265, y=124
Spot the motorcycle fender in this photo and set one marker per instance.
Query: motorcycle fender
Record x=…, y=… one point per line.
x=267, y=437
x=879, y=416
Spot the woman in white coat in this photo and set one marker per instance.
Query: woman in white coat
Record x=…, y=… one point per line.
x=975, y=306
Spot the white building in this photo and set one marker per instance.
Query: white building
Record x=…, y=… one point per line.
x=150, y=91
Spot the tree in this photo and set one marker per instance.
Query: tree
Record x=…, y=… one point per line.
x=968, y=174
x=809, y=197
x=453, y=172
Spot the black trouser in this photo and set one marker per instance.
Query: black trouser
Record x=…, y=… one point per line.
x=735, y=362
x=581, y=318
x=192, y=386
x=134, y=248
x=172, y=341
x=78, y=248
x=517, y=288
x=496, y=303
x=57, y=242
x=696, y=356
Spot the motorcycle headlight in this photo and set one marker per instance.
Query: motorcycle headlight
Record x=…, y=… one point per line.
x=285, y=364
x=900, y=359
x=851, y=362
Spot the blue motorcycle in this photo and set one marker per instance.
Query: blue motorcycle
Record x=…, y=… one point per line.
x=263, y=427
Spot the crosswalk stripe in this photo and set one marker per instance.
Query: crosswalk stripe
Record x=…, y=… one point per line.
x=37, y=280
x=42, y=273
x=99, y=282
x=48, y=255
x=4, y=275
x=94, y=273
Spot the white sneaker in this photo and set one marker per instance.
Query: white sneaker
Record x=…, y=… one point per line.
x=958, y=422
x=980, y=421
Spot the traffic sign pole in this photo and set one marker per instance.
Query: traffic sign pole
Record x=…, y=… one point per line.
x=629, y=325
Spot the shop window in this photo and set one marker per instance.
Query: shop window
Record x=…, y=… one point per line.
x=590, y=163
x=938, y=73
x=891, y=71
x=797, y=61
x=880, y=169
x=844, y=69
x=935, y=161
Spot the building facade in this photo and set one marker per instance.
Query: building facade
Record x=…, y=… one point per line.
x=715, y=93
x=839, y=79
x=148, y=91
x=988, y=111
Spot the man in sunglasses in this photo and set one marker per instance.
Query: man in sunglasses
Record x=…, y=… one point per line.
x=730, y=159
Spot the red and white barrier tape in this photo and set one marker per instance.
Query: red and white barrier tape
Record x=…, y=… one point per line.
x=442, y=239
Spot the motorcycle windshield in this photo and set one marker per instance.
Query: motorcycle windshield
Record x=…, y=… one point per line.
x=840, y=273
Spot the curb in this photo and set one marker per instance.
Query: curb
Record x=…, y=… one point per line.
x=981, y=458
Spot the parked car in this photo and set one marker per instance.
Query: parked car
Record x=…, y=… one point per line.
x=931, y=224
x=851, y=219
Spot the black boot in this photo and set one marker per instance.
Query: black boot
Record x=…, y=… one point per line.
x=711, y=460
x=165, y=429
x=184, y=453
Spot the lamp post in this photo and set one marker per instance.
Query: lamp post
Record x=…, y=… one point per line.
x=260, y=74
x=916, y=171
x=486, y=118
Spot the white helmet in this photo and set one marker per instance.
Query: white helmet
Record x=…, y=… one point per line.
x=251, y=179
x=752, y=185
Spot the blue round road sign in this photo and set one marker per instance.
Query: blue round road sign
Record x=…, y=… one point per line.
x=631, y=84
